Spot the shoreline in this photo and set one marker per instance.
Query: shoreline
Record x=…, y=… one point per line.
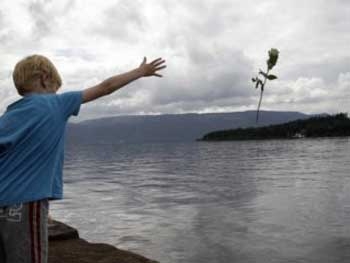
x=66, y=246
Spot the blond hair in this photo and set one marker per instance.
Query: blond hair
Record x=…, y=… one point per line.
x=30, y=69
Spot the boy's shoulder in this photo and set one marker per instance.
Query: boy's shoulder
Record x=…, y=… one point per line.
x=31, y=102
x=66, y=103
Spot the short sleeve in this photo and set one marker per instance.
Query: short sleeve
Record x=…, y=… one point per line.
x=70, y=103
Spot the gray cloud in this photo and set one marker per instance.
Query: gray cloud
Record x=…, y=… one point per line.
x=45, y=15
x=75, y=52
x=43, y=22
x=213, y=48
x=122, y=21
x=328, y=68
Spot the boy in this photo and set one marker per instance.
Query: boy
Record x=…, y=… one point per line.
x=31, y=151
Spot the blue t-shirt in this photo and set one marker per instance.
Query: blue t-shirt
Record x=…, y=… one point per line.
x=32, y=132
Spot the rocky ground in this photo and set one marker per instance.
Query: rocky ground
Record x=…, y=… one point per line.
x=65, y=246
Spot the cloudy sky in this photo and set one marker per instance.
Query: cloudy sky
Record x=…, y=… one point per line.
x=212, y=49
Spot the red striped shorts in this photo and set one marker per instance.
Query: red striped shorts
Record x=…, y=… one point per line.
x=23, y=232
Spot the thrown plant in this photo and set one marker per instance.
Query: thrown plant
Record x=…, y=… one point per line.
x=271, y=62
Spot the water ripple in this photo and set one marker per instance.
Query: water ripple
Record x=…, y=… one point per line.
x=254, y=201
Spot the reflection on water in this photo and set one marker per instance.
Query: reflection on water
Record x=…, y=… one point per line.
x=254, y=201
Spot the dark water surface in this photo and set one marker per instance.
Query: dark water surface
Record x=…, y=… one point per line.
x=253, y=201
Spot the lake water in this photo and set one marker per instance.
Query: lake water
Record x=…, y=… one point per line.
x=251, y=201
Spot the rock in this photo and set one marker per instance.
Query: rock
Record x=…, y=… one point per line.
x=60, y=231
x=65, y=246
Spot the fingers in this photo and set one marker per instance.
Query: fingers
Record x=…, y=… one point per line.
x=159, y=68
x=155, y=61
x=155, y=65
x=144, y=60
x=159, y=63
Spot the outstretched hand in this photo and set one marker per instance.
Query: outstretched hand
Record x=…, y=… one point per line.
x=152, y=68
x=114, y=83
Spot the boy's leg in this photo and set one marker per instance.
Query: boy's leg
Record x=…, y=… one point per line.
x=24, y=232
x=2, y=248
x=2, y=224
x=2, y=253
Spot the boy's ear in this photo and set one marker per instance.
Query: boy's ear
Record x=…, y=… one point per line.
x=44, y=78
x=42, y=81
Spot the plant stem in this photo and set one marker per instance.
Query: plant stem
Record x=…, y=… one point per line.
x=261, y=96
x=257, y=112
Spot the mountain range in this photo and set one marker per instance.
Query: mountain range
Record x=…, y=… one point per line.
x=169, y=127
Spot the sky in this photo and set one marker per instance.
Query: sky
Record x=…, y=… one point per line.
x=212, y=50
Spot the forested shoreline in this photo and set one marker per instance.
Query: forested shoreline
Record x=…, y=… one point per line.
x=319, y=126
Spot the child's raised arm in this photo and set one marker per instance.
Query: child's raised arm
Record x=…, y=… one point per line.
x=114, y=83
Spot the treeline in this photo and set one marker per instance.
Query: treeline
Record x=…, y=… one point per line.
x=321, y=126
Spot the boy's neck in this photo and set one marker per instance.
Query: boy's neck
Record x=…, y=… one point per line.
x=37, y=88
x=33, y=92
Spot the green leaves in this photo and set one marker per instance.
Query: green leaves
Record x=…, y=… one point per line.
x=263, y=73
x=266, y=76
x=271, y=77
x=258, y=82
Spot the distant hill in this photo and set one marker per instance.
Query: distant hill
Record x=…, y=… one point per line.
x=317, y=126
x=169, y=127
